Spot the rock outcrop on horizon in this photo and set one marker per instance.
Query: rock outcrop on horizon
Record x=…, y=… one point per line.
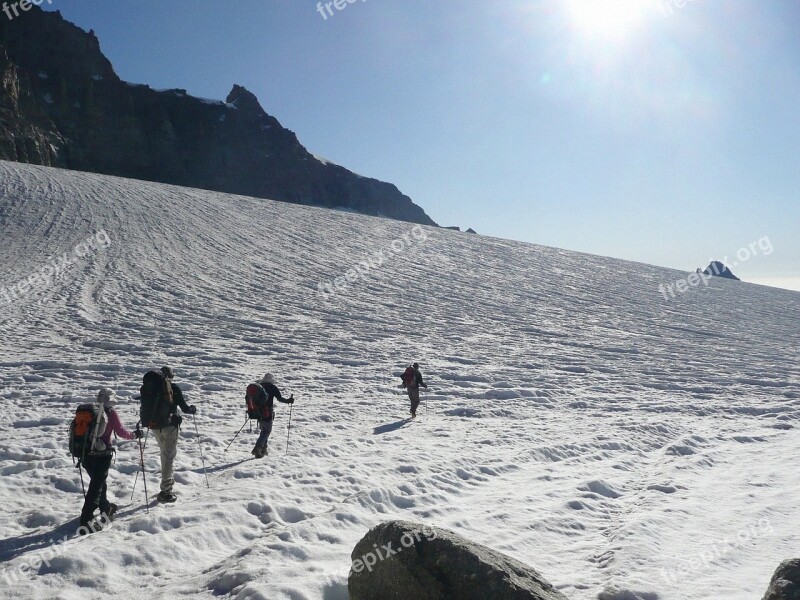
x=399, y=560
x=62, y=105
x=718, y=269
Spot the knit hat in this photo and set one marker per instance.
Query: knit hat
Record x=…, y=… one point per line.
x=106, y=396
x=268, y=378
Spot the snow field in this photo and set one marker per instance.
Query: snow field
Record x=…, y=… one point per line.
x=576, y=420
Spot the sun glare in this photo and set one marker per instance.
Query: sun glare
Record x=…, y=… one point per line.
x=609, y=19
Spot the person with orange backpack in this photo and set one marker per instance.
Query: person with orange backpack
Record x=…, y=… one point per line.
x=260, y=400
x=412, y=381
x=90, y=443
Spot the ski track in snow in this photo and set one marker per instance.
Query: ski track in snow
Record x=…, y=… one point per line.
x=575, y=419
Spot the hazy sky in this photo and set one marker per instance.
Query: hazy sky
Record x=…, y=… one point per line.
x=661, y=132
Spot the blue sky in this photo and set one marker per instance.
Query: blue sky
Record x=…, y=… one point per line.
x=656, y=131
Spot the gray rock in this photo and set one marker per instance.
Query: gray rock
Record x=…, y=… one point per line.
x=785, y=584
x=400, y=560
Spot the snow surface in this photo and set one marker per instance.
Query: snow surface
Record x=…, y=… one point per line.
x=575, y=420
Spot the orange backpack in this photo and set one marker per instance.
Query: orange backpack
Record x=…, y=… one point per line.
x=86, y=429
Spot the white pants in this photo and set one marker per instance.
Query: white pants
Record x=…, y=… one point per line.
x=167, y=440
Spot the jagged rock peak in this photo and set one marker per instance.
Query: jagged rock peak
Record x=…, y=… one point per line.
x=245, y=100
x=44, y=41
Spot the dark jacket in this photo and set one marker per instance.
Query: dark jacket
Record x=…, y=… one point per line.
x=180, y=401
x=266, y=399
x=161, y=414
x=418, y=379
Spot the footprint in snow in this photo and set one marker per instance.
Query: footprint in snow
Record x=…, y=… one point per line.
x=601, y=488
x=290, y=514
x=666, y=489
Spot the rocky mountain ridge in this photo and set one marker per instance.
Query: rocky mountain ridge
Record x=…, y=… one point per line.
x=63, y=105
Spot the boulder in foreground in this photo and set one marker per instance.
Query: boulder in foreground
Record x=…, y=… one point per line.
x=401, y=560
x=785, y=584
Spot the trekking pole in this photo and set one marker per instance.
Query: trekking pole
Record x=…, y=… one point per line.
x=237, y=435
x=197, y=433
x=289, y=432
x=80, y=471
x=136, y=479
x=426, y=400
x=144, y=473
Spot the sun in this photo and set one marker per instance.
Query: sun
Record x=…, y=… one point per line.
x=609, y=19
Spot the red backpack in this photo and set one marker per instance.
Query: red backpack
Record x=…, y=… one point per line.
x=409, y=377
x=251, y=395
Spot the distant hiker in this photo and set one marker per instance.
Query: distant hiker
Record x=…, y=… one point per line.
x=90, y=440
x=161, y=399
x=412, y=381
x=260, y=399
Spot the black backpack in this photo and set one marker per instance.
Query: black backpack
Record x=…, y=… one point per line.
x=157, y=401
x=86, y=429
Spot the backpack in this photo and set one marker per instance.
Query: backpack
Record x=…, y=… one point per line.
x=86, y=429
x=157, y=401
x=409, y=377
x=253, y=394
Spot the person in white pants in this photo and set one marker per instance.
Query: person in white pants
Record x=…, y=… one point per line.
x=167, y=439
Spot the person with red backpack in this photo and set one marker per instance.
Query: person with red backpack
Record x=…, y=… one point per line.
x=412, y=381
x=96, y=455
x=260, y=400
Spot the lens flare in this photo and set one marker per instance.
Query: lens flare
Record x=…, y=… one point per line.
x=609, y=19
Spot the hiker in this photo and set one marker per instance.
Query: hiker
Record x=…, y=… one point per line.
x=161, y=400
x=263, y=395
x=412, y=380
x=97, y=461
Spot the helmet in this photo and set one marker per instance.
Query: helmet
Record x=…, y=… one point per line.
x=268, y=378
x=168, y=372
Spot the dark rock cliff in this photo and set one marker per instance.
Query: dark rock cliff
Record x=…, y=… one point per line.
x=62, y=105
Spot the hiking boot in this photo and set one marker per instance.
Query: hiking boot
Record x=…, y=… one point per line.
x=167, y=497
x=89, y=527
x=258, y=453
x=112, y=510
